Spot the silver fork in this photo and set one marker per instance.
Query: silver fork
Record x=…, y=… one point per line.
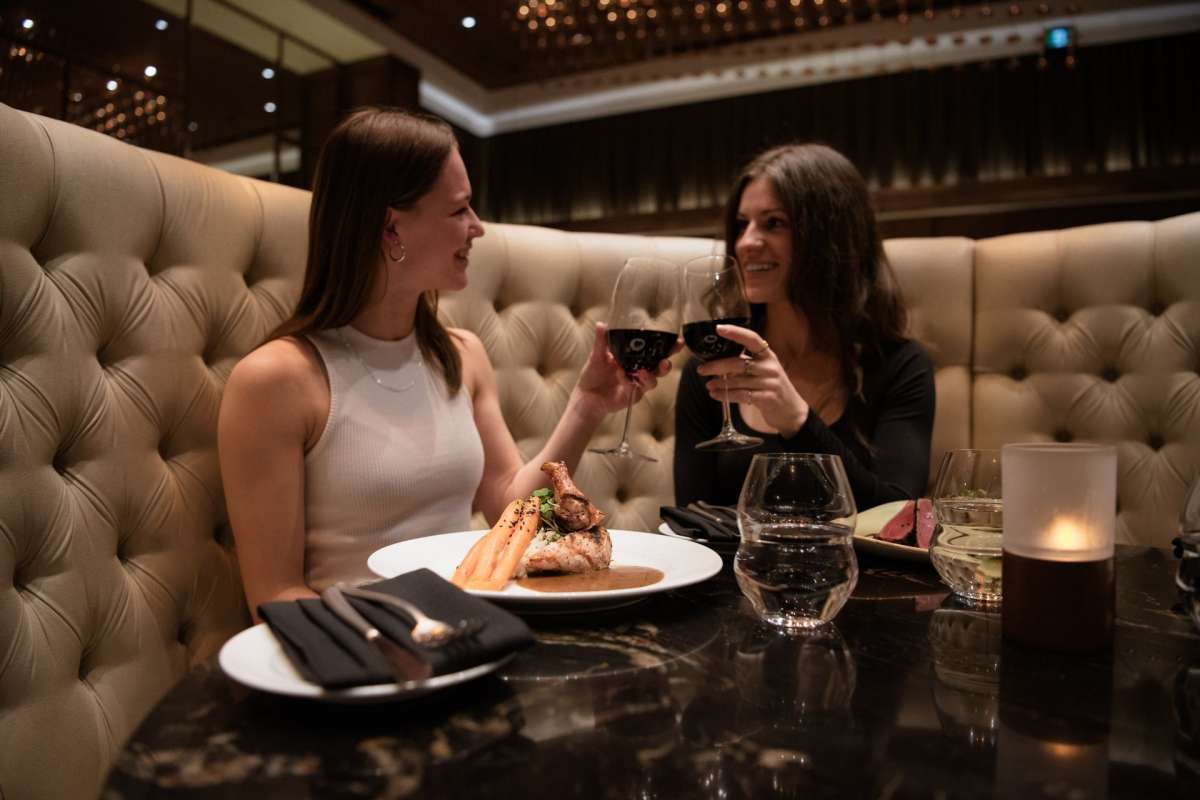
x=426, y=631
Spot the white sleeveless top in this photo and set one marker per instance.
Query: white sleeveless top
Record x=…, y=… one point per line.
x=389, y=465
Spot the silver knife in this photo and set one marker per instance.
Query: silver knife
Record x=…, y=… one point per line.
x=406, y=666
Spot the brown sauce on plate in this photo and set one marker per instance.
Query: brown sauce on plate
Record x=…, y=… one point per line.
x=602, y=580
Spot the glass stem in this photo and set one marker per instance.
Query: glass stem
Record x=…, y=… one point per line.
x=727, y=425
x=628, y=412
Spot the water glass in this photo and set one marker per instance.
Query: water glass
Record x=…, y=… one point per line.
x=966, y=551
x=796, y=562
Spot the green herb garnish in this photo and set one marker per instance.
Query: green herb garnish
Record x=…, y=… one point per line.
x=546, y=508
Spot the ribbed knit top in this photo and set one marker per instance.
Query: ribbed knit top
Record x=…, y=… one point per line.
x=389, y=465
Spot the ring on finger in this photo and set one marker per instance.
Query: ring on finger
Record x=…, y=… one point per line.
x=758, y=353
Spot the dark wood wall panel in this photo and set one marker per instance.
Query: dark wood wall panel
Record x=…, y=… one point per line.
x=1124, y=108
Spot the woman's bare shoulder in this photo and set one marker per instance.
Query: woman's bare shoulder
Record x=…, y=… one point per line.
x=283, y=374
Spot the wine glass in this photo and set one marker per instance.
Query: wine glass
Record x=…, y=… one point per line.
x=968, y=502
x=712, y=296
x=796, y=563
x=642, y=328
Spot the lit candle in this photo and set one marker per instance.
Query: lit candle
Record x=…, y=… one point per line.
x=1059, y=519
x=1067, y=534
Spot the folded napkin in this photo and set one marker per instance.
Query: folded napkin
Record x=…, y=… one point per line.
x=330, y=653
x=717, y=525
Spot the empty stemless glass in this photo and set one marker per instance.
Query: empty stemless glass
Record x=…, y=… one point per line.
x=796, y=562
x=969, y=506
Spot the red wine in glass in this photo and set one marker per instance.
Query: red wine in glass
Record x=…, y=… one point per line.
x=639, y=348
x=702, y=338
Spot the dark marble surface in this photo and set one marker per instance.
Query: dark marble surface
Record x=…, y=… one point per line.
x=908, y=694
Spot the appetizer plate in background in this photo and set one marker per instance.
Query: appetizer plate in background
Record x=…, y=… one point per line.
x=871, y=522
x=254, y=658
x=681, y=561
x=866, y=532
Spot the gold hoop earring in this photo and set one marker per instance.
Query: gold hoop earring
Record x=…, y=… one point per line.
x=398, y=258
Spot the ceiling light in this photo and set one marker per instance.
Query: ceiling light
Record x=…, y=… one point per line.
x=160, y=25
x=269, y=107
x=268, y=73
x=111, y=85
x=150, y=71
x=27, y=24
x=468, y=22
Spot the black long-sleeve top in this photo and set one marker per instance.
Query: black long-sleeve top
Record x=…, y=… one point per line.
x=894, y=415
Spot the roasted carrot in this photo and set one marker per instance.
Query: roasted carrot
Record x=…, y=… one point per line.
x=488, y=543
x=522, y=535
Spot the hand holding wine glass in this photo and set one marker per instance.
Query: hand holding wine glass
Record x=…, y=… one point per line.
x=642, y=328
x=712, y=296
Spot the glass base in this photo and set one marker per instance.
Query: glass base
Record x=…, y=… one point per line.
x=790, y=623
x=730, y=440
x=623, y=450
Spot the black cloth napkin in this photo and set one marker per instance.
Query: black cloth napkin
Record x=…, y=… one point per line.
x=693, y=525
x=330, y=653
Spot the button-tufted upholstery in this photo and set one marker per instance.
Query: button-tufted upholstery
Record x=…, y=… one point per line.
x=130, y=283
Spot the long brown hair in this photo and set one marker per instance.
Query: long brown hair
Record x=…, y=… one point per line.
x=840, y=277
x=375, y=159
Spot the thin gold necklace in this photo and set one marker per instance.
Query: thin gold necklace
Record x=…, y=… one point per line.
x=370, y=372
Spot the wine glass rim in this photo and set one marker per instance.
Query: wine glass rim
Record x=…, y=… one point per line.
x=728, y=260
x=1059, y=448
x=797, y=457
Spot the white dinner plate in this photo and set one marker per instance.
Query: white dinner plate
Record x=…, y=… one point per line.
x=256, y=659
x=681, y=561
x=866, y=535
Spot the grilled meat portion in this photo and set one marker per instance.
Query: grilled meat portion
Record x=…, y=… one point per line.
x=581, y=544
x=574, y=511
x=580, y=551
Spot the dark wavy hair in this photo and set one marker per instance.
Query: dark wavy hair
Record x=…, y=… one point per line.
x=375, y=159
x=839, y=276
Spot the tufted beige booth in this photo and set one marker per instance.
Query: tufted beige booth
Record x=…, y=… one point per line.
x=130, y=283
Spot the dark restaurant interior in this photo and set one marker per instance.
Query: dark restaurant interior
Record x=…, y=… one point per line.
x=1017, y=617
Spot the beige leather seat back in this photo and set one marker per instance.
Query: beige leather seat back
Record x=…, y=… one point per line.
x=935, y=278
x=1094, y=334
x=130, y=284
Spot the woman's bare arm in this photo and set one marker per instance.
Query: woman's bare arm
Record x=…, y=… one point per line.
x=274, y=406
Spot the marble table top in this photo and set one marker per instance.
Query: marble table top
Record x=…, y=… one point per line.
x=910, y=693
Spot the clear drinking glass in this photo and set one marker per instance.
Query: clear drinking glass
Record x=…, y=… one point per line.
x=712, y=296
x=796, y=562
x=643, y=325
x=968, y=502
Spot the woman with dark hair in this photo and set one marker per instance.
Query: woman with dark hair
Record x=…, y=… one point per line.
x=826, y=366
x=363, y=421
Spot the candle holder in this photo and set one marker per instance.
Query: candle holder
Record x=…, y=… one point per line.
x=1059, y=516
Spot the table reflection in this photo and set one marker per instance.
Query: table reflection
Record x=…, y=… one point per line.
x=965, y=643
x=1187, y=729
